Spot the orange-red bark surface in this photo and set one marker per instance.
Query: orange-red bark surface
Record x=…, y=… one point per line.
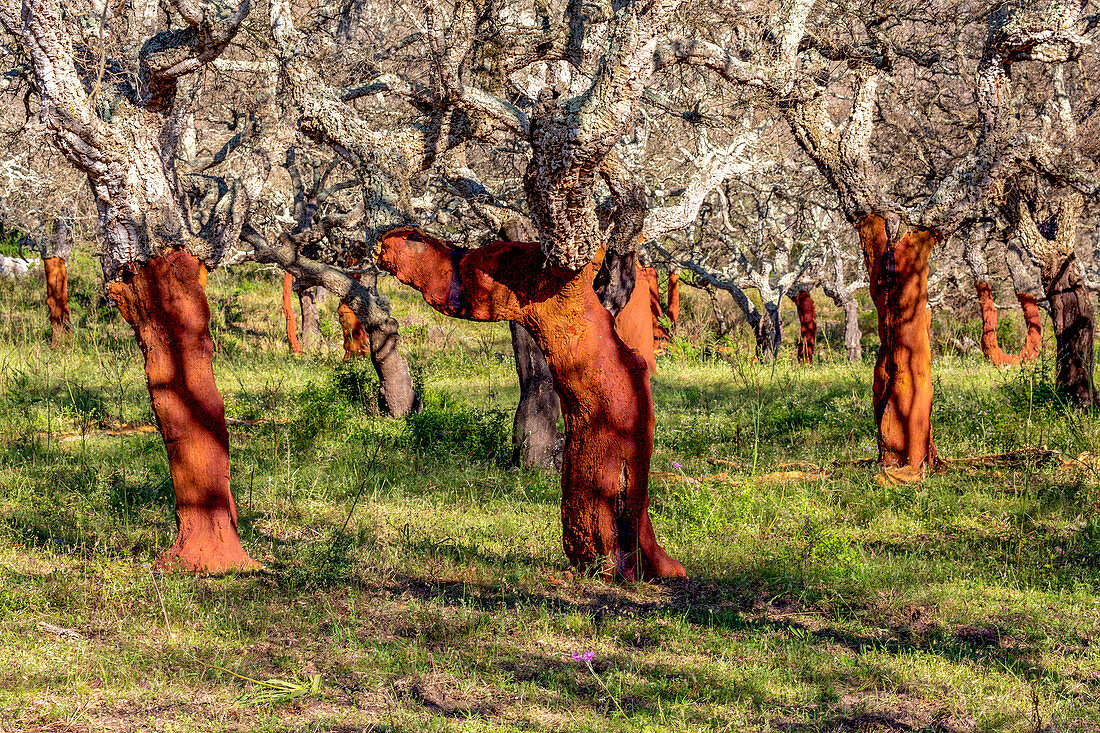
x=288, y=314
x=603, y=385
x=991, y=349
x=649, y=277
x=673, y=308
x=57, y=297
x=634, y=324
x=898, y=269
x=356, y=339
x=807, y=327
x=164, y=302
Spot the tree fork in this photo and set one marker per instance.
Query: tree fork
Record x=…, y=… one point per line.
x=897, y=263
x=163, y=300
x=991, y=349
x=603, y=385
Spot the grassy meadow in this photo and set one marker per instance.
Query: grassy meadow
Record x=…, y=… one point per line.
x=417, y=583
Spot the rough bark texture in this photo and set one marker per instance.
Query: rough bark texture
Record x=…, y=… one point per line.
x=535, y=428
x=991, y=349
x=1072, y=314
x=57, y=297
x=163, y=301
x=311, y=322
x=897, y=263
x=634, y=324
x=807, y=324
x=603, y=385
x=288, y=314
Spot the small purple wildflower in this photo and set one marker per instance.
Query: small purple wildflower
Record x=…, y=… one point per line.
x=675, y=465
x=584, y=657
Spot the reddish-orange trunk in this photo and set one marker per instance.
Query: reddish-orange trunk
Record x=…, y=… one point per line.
x=164, y=302
x=673, y=308
x=807, y=325
x=634, y=323
x=897, y=262
x=288, y=314
x=991, y=349
x=603, y=385
x=356, y=339
x=653, y=282
x=57, y=297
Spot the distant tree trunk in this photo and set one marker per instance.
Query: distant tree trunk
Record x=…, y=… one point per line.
x=535, y=428
x=603, y=385
x=634, y=323
x=807, y=323
x=1072, y=313
x=853, y=335
x=55, y=256
x=673, y=308
x=57, y=298
x=164, y=302
x=311, y=322
x=397, y=393
x=769, y=333
x=653, y=283
x=897, y=263
x=288, y=314
x=991, y=349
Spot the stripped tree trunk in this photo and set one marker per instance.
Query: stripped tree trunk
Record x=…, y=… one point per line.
x=288, y=314
x=991, y=349
x=807, y=323
x=897, y=263
x=634, y=323
x=356, y=341
x=163, y=300
x=673, y=308
x=535, y=427
x=57, y=298
x=603, y=385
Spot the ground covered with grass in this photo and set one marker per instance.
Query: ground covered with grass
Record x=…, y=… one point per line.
x=415, y=582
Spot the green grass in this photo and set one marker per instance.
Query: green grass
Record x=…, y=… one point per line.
x=427, y=587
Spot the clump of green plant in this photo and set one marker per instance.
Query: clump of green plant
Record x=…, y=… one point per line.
x=449, y=426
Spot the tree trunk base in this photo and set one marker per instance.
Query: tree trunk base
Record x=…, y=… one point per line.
x=807, y=322
x=163, y=300
x=535, y=428
x=288, y=314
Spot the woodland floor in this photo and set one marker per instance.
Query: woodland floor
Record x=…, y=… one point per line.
x=425, y=583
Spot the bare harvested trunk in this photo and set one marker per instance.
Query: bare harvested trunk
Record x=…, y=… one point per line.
x=311, y=322
x=634, y=323
x=57, y=298
x=673, y=308
x=288, y=314
x=356, y=341
x=897, y=263
x=652, y=281
x=163, y=300
x=603, y=385
x=535, y=428
x=807, y=324
x=1072, y=313
x=991, y=349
